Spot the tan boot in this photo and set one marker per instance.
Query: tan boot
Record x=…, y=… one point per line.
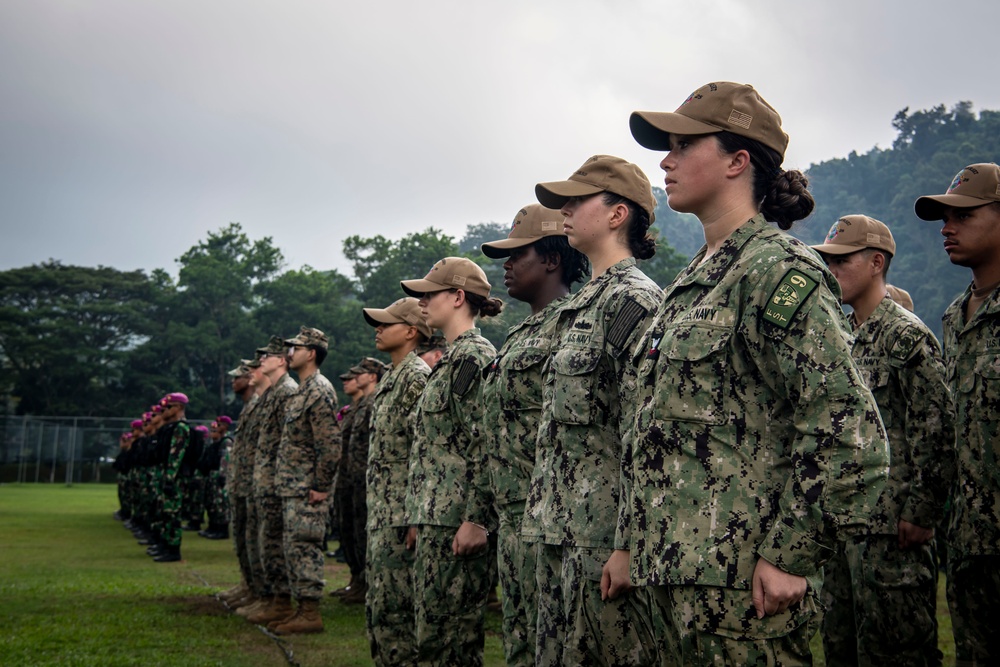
x=251, y=609
x=357, y=593
x=279, y=609
x=306, y=620
x=244, y=601
x=235, y=593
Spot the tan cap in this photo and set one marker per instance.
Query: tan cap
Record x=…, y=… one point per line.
x=900, y=296
x=532, y=223
x=309, y=337
x=450, y=273
x=715, y=107
x=857, y=232
x=976, y=185
x=601, y=173
x=402, y=311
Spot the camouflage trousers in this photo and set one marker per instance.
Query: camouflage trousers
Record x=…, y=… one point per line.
x=705, y=625
x=880, y=604
x=305, y=528
x=344, y=503
x=251, y=539
x=192, y=494
x=389, y=601
x=216, y=499
x=576, y=627
x=516, y=559
x=238, y=527
x=450, y=599
x=270, y=543
x=974, y=601
x=171, y=503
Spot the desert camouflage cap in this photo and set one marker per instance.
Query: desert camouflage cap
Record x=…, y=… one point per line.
x=976, y=185
x=600, y=173
x=240, y=370
x=715, y=107
x=402, y=311
x=346, y=376
x=309, y=337
x=450, y=273
x=532, y=223
x=857, y=232
x=276, y=346
x=368, y=365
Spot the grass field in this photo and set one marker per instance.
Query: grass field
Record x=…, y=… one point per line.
x=78, y=591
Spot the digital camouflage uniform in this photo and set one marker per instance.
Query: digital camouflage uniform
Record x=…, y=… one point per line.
x=389, y=600
x=307, y=460
x=270, y=509
x=353, y=470
x=216, y=498
x=880, y=600
x=754, y=437
x=512, y=405
x=972, y=359
x=241, y=493
x=448, y=485
x=170, y=490
x=573, y=500
x=344, y=494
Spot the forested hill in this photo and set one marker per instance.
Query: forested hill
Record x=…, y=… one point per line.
x=931, y=146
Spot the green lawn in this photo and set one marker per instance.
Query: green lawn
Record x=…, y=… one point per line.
x=78, y=591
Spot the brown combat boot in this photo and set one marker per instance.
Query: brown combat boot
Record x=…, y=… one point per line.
x=357, y=593
x=250, y=609
x=244, y=601
x=341, y=592
x=278, y=609
x=305, y=621
x=235, y=593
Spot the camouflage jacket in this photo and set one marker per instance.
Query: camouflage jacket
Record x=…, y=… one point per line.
x=240, y=478
x=394, y=406
x=226, y=456
x=271, y=420
x=345, y=415
x=972, y=359
x=900, y=360
x=754, y=435
x=180, y=437
x=310, y=440
x=356, y=447
x=575, y=486
x=512, y=402
x=449, y=475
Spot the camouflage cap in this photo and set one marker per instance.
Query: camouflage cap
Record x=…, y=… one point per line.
x=309, y=337
x=600, y=173
x=349, y=375
x=715, y=107
x=254, y=363
x=435, y=342
x=368, y=365
x=532, y=223
x=450, y=273
x=275, y=346
x=402, y=311
x=900, y=296
x=857, y=232
x=976, y=185
x=240, y=370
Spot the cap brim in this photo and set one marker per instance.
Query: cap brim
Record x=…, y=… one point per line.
x=420, y=287
x=500, y=249
x=932, y=207
x=835, y=249
x=377, y=316
x=652, y=129
x=555, y=194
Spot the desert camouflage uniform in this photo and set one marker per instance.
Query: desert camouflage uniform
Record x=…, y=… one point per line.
x=270, y=544
x=240, y=489
x=307, y=460
x=880, y=600
x=574, y=494
x=449, y=484
x=754, y=437
x=389, y=600
x=972, y=358
x=512, y=404
x=170, y=489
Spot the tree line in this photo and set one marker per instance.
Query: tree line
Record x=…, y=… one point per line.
x=102, y=342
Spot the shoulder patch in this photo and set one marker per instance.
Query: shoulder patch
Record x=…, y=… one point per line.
x=786, y=299
x=464, y=375
x=629, y=315
x=904, y=345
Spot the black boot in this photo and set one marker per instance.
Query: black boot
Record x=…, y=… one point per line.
x=169, y=555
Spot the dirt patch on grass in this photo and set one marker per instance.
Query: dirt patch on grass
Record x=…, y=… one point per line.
x=197, y=605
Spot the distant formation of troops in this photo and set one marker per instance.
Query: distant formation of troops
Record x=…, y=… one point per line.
x=702, y=474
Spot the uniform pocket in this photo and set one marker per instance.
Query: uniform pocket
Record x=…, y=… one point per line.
x=692, y=386
x=574, y=372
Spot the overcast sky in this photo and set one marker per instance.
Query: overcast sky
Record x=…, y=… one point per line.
x=128, y=130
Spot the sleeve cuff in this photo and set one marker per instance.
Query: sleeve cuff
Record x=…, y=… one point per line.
x=792, y=551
